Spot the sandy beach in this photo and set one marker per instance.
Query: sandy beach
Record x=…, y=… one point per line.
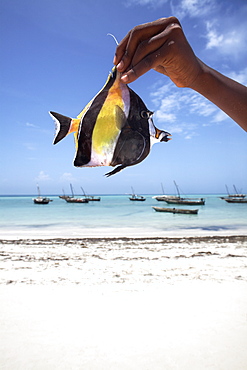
x=124, y=303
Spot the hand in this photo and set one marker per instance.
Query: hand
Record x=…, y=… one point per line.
x=160, y=45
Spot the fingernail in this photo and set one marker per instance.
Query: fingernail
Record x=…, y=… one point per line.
x=114, y=59
x=124, y=78
x=120, y=65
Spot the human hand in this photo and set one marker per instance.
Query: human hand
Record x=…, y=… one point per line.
x=160, y=45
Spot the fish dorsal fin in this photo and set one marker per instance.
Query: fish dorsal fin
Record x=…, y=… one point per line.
x=120, y=117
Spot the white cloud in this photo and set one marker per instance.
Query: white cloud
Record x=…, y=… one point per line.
x=192, y=8
x=42, y=176
x=183, y=111
x=220, y=116
x=29, y=146
x=67, y=177
x=31, y=125
x=240, y=76
x=228, y=37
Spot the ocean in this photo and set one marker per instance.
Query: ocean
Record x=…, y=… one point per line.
x=115, y=216
x=115, y=285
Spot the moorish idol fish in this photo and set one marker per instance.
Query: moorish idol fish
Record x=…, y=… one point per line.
x=115, y=128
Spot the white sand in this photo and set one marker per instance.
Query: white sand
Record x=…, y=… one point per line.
x=186, y=326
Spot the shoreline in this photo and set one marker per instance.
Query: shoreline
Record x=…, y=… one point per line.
x=108, y=232
x=189, y=239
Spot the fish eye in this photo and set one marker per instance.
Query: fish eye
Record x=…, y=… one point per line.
x=146, y=114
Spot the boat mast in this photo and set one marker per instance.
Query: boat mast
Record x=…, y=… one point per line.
x=177, y=189
x=38, y=190
x=71, y=187
x=83, y=192
x=234, y=187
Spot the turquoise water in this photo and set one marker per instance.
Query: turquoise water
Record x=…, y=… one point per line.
x=115, y=216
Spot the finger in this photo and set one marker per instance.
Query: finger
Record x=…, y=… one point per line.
x=155, y=43
x=143, y=39
x=147, y=63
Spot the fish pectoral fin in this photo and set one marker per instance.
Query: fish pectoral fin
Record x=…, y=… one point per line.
x=120, y=117
x=63, y=125
x=131, y=148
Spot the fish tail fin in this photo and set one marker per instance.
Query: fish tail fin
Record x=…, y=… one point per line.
x=64, y=126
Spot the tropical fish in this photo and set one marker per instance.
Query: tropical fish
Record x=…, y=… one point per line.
x=115, y=128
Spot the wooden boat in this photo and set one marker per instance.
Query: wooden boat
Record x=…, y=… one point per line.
x=163, y=197
x=72, y=199
x=90, y=198
x=176, y=210
x=138, y=198
x=236, y=200
x=40, y=199
x=237, y=195
x=186, y=201
x=64, y=196
x=135, y=197
x=76, y=200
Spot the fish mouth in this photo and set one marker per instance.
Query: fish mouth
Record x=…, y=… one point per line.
x=165, y=137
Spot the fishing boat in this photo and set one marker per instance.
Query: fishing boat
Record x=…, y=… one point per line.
x=40, y=199
x=176, y=210
x=72, y=199
x=90, y=198
x=135, y=197
x=186, y=201
x=236, y=200
x=236, y=195
x=163, y=197
x=64, y=196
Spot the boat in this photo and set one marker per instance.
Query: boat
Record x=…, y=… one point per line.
x=135, y=197
x=235, y=195
x=236, y=200
x=176, y=210
x=64, y=196
x=76, y=200
x=186, y=201
x=163, y=197
x=40, y=199
x=90, y=198
x=72, y=199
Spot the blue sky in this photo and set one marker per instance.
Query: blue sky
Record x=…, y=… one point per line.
x=56, y=55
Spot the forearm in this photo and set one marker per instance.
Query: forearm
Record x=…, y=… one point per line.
x=227, y=94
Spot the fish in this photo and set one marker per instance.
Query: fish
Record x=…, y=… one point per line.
x=114, y=129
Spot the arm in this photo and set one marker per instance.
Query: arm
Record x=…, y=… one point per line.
x=161, y=45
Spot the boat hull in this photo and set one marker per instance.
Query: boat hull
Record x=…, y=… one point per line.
x=76, y=200
x=236, y=200
x=188, y=202
x=176, y=210
x=42, y=200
